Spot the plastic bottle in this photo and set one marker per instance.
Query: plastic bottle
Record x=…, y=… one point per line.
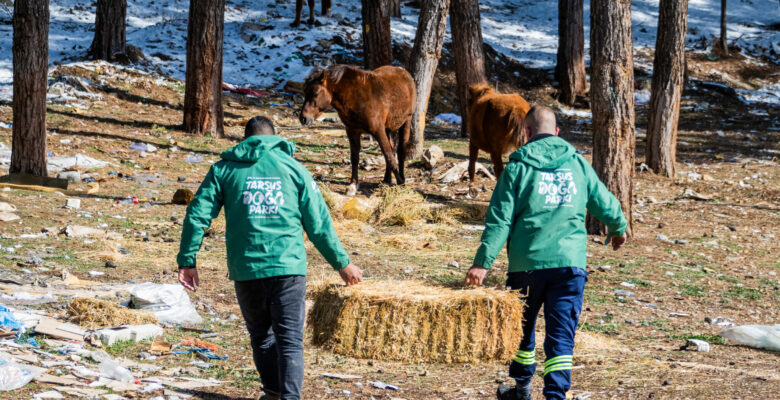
x=113, y=370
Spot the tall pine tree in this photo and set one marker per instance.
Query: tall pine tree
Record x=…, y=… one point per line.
x=203, y=86
x=612, y=102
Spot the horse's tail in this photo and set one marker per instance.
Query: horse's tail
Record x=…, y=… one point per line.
x=516, y=125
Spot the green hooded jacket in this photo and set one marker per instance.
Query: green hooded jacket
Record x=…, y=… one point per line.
x=538, y=208
x=270, y=199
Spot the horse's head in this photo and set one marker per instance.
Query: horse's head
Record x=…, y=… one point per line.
x=317, y=97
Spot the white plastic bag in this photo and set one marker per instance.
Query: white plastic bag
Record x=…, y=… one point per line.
x=758, y=336
x=14, y=376
x=169, y=302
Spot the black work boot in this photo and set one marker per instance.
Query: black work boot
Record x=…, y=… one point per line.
x=523, y=391
x=506, y=392
x=519, y=392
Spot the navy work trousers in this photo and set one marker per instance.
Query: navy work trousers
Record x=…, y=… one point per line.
x=560, y=290
x=274, y=310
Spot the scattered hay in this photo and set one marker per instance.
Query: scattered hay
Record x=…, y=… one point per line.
x=107, y=251
x=400, y=205
x=410, y=322
x=408, y=241
x=458, y=213
x=331, y=201
x=94, y=313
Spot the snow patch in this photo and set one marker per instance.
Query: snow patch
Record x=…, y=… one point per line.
x=448, y=118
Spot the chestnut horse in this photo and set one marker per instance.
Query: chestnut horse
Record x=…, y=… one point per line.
x=376, y=102
x=495, y=125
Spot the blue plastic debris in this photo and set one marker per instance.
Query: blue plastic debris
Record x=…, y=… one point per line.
x=205, y=352
x=8, y=320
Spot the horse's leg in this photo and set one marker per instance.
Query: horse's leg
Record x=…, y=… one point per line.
x=326, y=5
x=391, y=138
x=473, y=154
x=298, y=10
x=498, y=164
x=391, y=163
x=354, y=157
x=403, y=149
x=311, y=12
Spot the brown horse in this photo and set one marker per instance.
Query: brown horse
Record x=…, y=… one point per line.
x=495, y=125
x=375, y=102
x=299, y=8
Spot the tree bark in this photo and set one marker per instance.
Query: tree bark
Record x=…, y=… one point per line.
x=612, y=102
x=110, y=28
x=667, y=85
x=377, y=44
x=395, y=8
x=570, y=69
x=431, y=28
x=203, y=87
x=723, y=42
x=467, y=48
x=30, y=63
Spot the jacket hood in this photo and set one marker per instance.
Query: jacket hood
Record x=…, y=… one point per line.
x=256, y=147
x=548, y=153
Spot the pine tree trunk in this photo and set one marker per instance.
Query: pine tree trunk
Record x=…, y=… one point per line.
x=377, y=44
x=203, y=87
x=667, y=86
x=110, y=27
x=431, y=28
x=395, y=8
x=30, y=63
x=612, y=102
x=723, y=42
x=467, y=49
x=570, y=69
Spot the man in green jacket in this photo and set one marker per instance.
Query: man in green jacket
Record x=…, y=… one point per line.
x=270, y=200
x=538, y=209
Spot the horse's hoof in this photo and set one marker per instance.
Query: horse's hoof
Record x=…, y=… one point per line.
x=472, y=193
x=352, y=190
x=311, y=22
x=295, y=24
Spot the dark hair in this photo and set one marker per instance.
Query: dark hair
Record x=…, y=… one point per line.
x=259, y=126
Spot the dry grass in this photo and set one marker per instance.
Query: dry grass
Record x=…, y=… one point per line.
x=331, y=200
x=409, y=241
x=94, y=313
x=107, y=251
x=400, y=205
x=411, y=322
x=460, y=212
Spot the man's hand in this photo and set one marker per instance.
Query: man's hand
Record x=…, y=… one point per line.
x=351, y=274
x=188, y=277
x=617, y=241
x=476, y=275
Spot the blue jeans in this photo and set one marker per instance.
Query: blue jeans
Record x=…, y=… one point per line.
x=274, y=310
x=560, y=290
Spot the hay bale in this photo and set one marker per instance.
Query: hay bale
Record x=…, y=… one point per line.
x=410, y=322
x=400, y=205
x=94, y=313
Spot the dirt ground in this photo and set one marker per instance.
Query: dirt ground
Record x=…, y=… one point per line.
x=720, y=259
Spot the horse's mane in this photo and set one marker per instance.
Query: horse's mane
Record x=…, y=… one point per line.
x=334, y=73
